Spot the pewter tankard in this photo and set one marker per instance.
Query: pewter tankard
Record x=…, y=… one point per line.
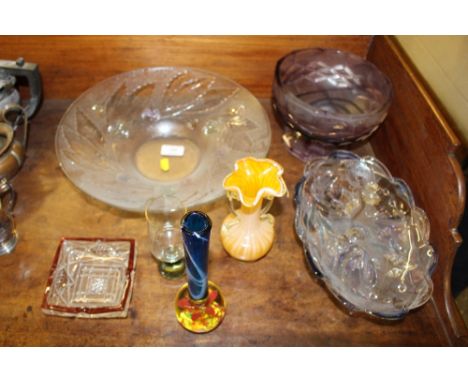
x=14, y=115
x=8, y=235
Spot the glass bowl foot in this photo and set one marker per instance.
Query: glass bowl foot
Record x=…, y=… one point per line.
x=200, y=316
x=304, y=148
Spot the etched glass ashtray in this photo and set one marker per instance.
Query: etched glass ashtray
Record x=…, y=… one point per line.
x=159, y=131
x=91, y=278
x=364, y=236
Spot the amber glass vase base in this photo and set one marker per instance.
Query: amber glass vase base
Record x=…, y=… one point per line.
x=200, y=316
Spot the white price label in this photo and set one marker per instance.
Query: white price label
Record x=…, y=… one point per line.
x=172, y=150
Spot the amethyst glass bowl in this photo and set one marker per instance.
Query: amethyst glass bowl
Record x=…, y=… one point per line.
x=326, y=98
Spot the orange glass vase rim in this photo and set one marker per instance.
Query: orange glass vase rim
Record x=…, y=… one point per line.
x=254, y=179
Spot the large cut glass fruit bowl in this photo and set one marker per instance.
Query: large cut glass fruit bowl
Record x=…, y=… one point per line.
x=156, y=131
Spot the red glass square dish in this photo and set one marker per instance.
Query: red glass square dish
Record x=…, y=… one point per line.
x=91, y=277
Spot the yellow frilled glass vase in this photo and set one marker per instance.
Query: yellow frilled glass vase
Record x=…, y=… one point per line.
x=247, y=233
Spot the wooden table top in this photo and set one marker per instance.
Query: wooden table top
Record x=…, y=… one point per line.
x=272, y=302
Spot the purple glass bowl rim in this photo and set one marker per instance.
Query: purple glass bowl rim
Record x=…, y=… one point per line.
x=385, y=105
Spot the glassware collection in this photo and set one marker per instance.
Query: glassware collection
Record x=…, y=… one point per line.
x=176, y=138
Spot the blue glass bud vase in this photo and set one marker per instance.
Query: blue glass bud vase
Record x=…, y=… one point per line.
x=200, y=306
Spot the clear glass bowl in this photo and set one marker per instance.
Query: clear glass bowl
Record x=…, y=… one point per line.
x=159, y=131
x=364, y=236
x=328, y=97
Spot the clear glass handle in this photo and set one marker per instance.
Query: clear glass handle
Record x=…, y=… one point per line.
x=232, y=206
x=266, y=206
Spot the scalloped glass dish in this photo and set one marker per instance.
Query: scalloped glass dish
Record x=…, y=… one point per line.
x=159, y=131
x=364, y=236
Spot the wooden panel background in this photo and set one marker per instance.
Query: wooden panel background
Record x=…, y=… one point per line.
x=417, y=144
x=71, y=64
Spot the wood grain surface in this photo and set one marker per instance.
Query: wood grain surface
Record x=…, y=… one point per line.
x=274, y=301
x=71, y=64
x=417, y=144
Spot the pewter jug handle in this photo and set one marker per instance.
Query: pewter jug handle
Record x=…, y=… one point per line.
x=7, y=193
x=19, y=117
x=30, y=71
x=7, y=131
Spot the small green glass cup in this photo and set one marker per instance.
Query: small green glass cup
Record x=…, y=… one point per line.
x=163, y=215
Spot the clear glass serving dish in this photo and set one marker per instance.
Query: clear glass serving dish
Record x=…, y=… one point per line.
x=159, y=131
x=364, y=236
x=91, y=278
x=326, y=98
